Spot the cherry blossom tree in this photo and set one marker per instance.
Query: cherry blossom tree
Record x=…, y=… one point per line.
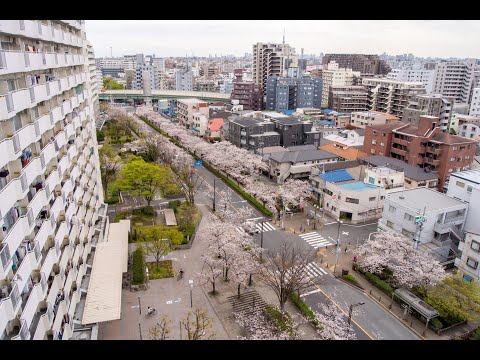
x=284, y=271
x=258, y=326
x=411, y=267
x=333, y=325
x=161, y=330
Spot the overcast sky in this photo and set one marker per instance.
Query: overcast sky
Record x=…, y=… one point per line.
x=435, y=38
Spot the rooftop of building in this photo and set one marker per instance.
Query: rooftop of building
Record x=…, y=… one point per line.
x=410, y=171
x=360, y=132
x=247, y=121
x=274, y=114
x=389, y=126
x=358, y=186
x=215, y=124
x=384, y=170
x=335, y=176
x=376, y=113
x=469, y=118
x=302, y=155
x=469, y=175
x=420, y=198
x=350, y=153
x=289, y=121
x=266, y=133
x=342, y=140
x=451, y=139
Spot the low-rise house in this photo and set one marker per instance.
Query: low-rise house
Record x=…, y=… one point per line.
x=199, y=124
x=413, y=175
x=214, y=130
x=432, y=220
x=296, y=164
x=390, y=179
x=361, y=119
x=345, y=152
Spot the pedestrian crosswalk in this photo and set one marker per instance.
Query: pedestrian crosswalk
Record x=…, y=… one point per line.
x=316, y=240
x=258, y=228
x=312, y=271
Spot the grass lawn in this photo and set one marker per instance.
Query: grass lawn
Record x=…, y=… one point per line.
x=165, y=270
x=112, y=193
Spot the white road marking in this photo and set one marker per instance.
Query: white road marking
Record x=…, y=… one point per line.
x=310, y=292
x=169, y=302
x=315, y=240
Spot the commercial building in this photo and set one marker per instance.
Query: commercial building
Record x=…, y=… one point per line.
x=425, y=146
x=334, y=75
x=454, y=79
x=426, y=77
x=51, y=198
x=292, y=93
x=391, y=96
x=271, y=60
x=247, y=93
x=186, y=108
x=434, y=105
x=365, y=64
x=347, y=99
x=433, y=221
x=465, y=186
x=362, y=119
x=344, y=196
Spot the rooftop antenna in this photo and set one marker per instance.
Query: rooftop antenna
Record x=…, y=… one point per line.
x=284, y=36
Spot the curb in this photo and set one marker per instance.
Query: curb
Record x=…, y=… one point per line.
x=383, y=306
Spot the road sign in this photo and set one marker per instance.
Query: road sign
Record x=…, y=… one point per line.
x=198, y=163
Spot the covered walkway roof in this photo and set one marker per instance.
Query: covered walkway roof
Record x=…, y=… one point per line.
x=104, y=295
x=416, y=303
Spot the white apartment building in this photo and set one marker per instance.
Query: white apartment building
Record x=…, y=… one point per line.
x=470, y=130
x=111, y=63
x=386, y=177
x=455, y=79
x=475, y=104
x=362, y=119
x=465, y=186
x=335, y=76
x=184, y=79
x=199, y=124
x=442, y=224
x=271, y=60
x=424, y=76
x=51, y=198
x=391, y=96
x=187, y=107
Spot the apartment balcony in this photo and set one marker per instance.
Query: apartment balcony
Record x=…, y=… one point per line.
x=9, y=306
x=36, y=30
x=432, y=150
x=37, y=294
x=14, y=61
x=398, y=151
x=431, y=161
x=400, y=142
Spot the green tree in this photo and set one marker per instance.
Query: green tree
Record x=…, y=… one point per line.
x=110, y=84
x=110, y=163
x=156, y=242
x=198, y=325
x=142, y=178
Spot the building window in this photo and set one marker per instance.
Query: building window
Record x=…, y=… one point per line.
x=391, y=209
x=390, y=224
x=452, y=159
x=374, y=142
x=469, y=188
x=472, y=263
x=475, y=245
x=460, y=184
x=351, y=200
x=407, y=233
x=408, y=217
x=382, y=144
x=373, y=198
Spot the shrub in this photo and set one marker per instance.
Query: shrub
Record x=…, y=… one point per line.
x=138, y=267
x=283, y=322
x=475, y=335
x=120, y=216
x=148, y=210
x=174, y=204
x=436, y=324
x=304, y=309
x=379, y=283
x=350, y=278
x=100, y=136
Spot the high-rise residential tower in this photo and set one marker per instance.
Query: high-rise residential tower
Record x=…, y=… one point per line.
x=51, y=197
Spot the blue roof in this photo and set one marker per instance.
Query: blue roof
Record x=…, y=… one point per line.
x=288, y=112
x=336, y=176
x=326, y=122
x=327, y=111
x=358, y=186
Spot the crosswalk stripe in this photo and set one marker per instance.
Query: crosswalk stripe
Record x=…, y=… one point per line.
x=319, y=243
x=315, y=240
x=266, y=227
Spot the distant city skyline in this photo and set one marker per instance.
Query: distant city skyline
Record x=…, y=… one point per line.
x=423, y=38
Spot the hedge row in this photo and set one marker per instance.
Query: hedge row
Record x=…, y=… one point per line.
x=138, y=267
x=282, y=322
x=351, y=279
x=228, y=181
x=379, y=283
x=305, y=309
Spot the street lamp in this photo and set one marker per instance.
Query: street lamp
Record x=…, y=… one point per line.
x=350, y=309
x=337, y=246
x=315, y=217
x=214, y=194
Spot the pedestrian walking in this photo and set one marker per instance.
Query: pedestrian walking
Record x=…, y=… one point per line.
x=308, y=222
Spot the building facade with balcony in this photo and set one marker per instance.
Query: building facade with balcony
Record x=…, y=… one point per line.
x=439, y=228
x=391, y=96
x=362, y=119
x=247, y=93
x=51, y=198
x=423, y=145
x=365, y=64
x=252, y=134
x=334, y=75
x=291, y=93
x=433, y=105
x=347, y=99
x=455, y=79
x=187, y=107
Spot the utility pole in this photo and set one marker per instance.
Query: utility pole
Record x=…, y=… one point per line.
x=337, y=246
x=214, y=194
x=350, y=309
